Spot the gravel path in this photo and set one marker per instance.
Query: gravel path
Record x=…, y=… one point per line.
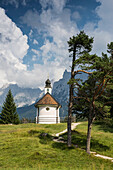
x=73, y=126
x=104, y=157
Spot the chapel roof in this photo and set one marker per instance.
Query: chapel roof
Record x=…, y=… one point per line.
x=47, y=99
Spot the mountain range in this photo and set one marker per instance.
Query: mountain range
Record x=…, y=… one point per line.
x=25, y=98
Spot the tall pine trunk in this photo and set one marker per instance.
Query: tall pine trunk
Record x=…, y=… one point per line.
x=70, y=101
x=69, y=116
x=89, y=136
x=90, y=122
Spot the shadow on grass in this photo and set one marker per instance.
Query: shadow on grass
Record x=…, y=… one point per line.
x=45, y=138
x=105, y=125
x=36, y=156
x=79, y=139
x=62, y=146
x=33, y=132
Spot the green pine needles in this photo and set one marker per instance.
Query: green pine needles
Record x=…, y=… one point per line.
x=9, y=114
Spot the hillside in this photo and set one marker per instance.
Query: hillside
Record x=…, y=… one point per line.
x=23, y=147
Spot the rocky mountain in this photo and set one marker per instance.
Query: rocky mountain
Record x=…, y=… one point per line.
x=60, y=92
x=22, y=96
x=26, y=97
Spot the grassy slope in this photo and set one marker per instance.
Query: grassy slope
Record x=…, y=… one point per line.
x=101, y=140
x=21, y=147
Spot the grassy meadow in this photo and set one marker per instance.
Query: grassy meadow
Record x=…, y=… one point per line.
x=22, y=147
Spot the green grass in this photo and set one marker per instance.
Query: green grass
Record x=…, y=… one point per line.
x=22, y=147
x=101, y=140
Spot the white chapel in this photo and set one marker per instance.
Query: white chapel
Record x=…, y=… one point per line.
x=47, y=108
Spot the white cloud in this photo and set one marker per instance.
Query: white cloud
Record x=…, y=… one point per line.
x=59, y=27
x=34, y=58
x=38, y=76
x=102, y=31
x=76, y=15
x=24, y=2
x=36, y=52
x=105, y=12
x=30, y=33
x=54, y=21
x=16, y=3
x=35, y=42
x=13, y=47
x=56, y=5
x=32, y=19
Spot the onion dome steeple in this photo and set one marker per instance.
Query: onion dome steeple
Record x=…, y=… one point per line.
x=48, y=83
x=48, y=87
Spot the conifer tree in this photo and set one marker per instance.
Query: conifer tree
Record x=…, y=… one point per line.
x=92, y=95
x=9, y=113
x=79, y=45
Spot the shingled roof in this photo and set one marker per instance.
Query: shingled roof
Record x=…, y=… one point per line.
x=47, y=99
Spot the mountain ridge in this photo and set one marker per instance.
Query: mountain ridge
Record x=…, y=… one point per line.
x=27, y=97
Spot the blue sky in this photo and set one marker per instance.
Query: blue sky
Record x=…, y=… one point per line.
x=34, y=35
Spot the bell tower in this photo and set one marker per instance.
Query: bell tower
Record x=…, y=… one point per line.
x=48, y=88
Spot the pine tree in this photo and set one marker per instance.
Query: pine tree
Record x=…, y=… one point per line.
x=9, y=113
x=92, y=98
x=79, y=45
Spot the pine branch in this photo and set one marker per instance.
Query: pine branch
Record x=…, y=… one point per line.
x=99, y=88
x=110, y=102
x=75, y=72
x=76, y=97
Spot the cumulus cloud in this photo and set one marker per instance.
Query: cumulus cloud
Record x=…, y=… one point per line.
x=13, y=47
x=31, y=34
x=55, y=25
x=35, y=42
x=54, y=21
x=16, y=3
x=34, y=58
x=102, y=31
x=76, y=15
x=36, y=52
x=56, y=5
x=32, y=19
x=38, y=75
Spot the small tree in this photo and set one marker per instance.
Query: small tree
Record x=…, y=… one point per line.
x=9, y=113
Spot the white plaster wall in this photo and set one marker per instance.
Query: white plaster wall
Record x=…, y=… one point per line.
x=48, y=117
x=50, y=113
x=57, y=114
x=36, y=115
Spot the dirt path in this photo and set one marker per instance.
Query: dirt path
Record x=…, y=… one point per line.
x=73, y=126
x=104, y=157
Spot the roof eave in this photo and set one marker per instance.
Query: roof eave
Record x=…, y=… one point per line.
x=39, y=105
